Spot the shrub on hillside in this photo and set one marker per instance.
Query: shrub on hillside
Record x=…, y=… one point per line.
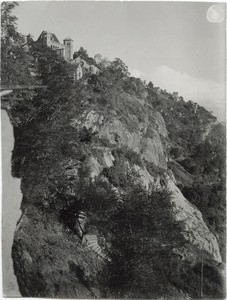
x=119, y=173
x=139, y=232
x=154, y=170
x=175, y=152
x=133, y=157
x=210, y=156
x=142, y=232
x=85, y=135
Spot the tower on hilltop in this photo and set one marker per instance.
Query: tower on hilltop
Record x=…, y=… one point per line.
x=68, y=42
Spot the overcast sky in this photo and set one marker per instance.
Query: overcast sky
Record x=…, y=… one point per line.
x=170, y=43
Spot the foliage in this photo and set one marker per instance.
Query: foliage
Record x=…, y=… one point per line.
x=134, y=86
x=53, y=72
x=15, y=63
x=150, y=85
x=50, y=70
x=14, y=58
x=140, y=234
x=152, y=94
x=190, y=166
x=210, y=157
x=119, y=173
x=210, y=200
x=132, y=156
x=81, y=52
x=154, y=170
x=92, y=197
x=188, y=279
x=119, y=69
x=102, y=62
x=111, y=78
x=184, y=126
x=8, y=21
x=142, y=229
x=175, y=152
x=198, y=160
x=85, y=135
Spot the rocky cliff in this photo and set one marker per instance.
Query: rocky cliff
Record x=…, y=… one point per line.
x=85, y=138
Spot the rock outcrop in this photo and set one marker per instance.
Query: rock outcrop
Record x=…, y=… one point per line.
x=195, y=230
x=50, y=259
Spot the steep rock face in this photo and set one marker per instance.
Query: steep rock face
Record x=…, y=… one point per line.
x=145, y=141
x=52, y=262
x=151, y=149
x=194, y=230
x=50, y=154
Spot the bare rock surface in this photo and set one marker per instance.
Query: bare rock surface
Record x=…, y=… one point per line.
x=195, y=230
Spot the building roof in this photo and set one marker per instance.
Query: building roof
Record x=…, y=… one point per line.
x=68, y=39
x=89, y=60
x=52, y=36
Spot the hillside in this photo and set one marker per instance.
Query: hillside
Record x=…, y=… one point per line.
x=123, y=186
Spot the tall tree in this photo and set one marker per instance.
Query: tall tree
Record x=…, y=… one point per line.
x=143, y=234
x=82, y=52
x=103, y=62
x=14, y=58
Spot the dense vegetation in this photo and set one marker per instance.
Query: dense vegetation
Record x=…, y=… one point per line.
x=138, y=227
x=140, y=242
x=197, y=161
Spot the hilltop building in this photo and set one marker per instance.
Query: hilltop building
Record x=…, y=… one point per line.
x=82, y=63
x=85, y=65
x=65, y=50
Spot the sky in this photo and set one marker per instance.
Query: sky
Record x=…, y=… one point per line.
x=171, y=44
